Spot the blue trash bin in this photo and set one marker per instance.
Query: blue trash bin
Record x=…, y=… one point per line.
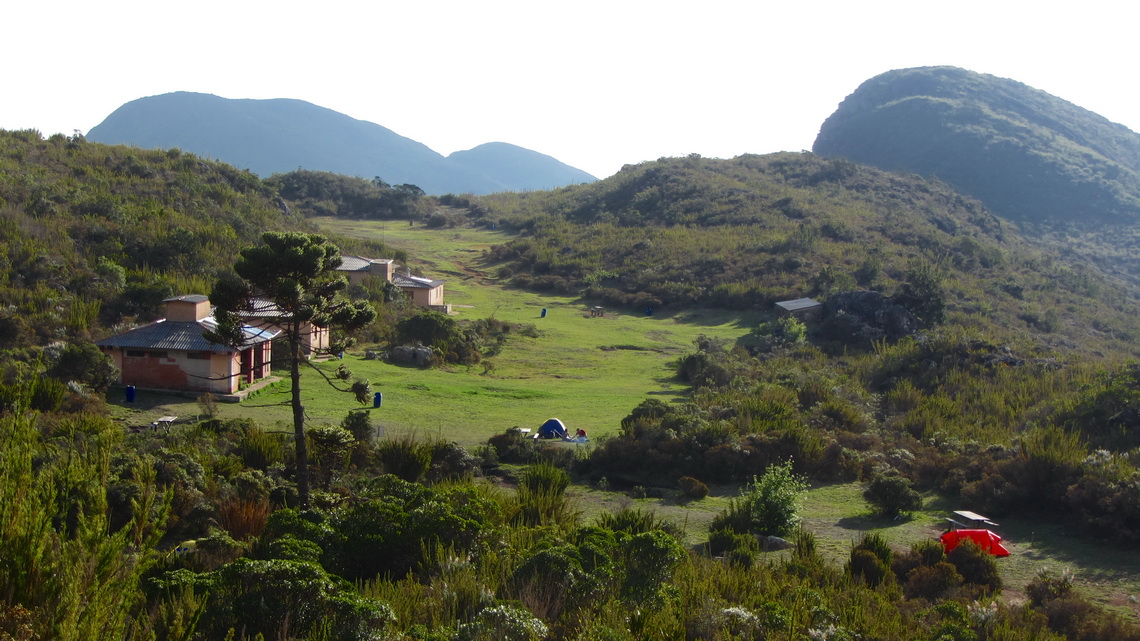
x=543, y=312
x=377, y=399
x=130, y=393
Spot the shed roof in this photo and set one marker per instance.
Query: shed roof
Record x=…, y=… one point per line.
x=798, y=304
x=188, y=298
x=359, y=263
x=415, y=282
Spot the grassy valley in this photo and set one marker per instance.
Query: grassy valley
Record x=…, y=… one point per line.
x=955, y=363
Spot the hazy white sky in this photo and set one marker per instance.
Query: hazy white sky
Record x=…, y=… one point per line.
x=594, y=83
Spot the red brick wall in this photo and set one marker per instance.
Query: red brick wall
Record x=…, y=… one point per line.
x=161, y=372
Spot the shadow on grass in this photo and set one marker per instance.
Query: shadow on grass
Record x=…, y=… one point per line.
x=1045, y=541
x=868, y=521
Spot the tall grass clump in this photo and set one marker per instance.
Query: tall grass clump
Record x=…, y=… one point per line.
x=542, y=499
x=404, y=457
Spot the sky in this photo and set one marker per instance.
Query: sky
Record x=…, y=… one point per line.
x=595, y=84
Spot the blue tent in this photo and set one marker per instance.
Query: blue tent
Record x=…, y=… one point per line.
x=552, y=428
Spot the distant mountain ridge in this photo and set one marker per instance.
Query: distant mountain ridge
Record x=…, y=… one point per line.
x=281, y=135
x=1028, y=155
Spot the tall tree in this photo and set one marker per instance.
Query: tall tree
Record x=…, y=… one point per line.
x=290, y=281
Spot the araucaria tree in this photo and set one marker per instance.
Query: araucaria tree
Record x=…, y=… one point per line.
x=289, y=281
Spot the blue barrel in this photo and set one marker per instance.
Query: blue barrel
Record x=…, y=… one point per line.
x=543, y=312
x=377, y=399
x=130, y=393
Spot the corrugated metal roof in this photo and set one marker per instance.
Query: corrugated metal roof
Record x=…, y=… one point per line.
x=354, y=264
x=798, y=304
x=416, y=282
x=183, y=336
x=263, y=308
x=189, y=298
x=359, y=263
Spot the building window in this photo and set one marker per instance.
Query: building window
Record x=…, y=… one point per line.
x=158, y=354
x=134, y=353
x=201, y=356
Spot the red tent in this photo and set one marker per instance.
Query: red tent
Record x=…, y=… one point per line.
x=985, y=539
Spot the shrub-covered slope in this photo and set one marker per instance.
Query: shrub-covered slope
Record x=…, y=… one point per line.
x=746, y=232
x=91, y=233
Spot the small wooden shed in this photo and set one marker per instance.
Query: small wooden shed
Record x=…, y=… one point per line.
x=804, y=309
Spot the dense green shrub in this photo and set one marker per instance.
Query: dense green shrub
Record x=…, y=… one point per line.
x=84, y=363
x=931, y=582
x=632, y=520
x=891, y=495
x=649, y=559
x=767, y=505
x=781, y=332
x=277, y=597
x=976, y=566
x=359, y=424
x=503, y=623
x=722, y=542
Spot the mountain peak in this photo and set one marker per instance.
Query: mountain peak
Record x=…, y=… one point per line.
x=282, y=134
x=1028, y=155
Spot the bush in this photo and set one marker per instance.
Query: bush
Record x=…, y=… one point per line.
x=870, y=560
x=767, y=505
x=270, y=597
x=1046, y=587
x=866, y=567
x=650, y=558
x=503, y=623
x=512, y=446
x=636, y=521
x=722, y=542
x=931, y=581
x=692, y=488
x=976, y=566
x=84, y=363
x=892, y=495
x=404, y=458
x=544, y=477
x=782, y=332
x=259, y=449
x=359, y=424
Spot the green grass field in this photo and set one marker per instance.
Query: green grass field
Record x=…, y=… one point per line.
x=591, y=372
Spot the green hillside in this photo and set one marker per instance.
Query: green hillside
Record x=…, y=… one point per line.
x=747, y=232
x=1068, y=175
x=94, y=235
x=1026, y=154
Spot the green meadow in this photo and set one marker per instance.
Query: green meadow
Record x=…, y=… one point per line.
x=588, y=371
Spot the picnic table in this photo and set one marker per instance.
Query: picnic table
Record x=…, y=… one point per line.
x=164, y=421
